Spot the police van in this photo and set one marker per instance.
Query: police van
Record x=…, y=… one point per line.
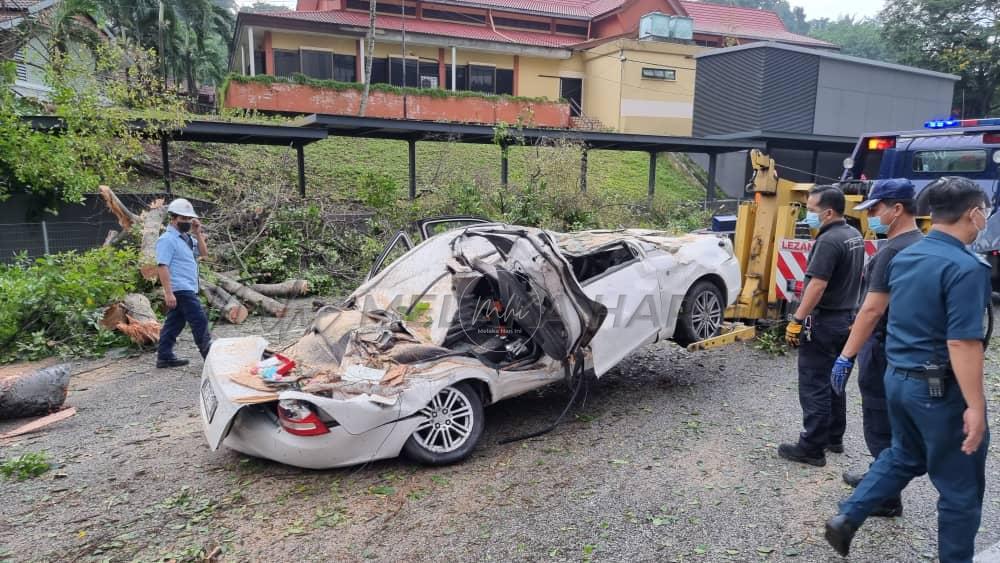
x=954, y=147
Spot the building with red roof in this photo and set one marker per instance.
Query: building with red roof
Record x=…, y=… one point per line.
x=624, y=65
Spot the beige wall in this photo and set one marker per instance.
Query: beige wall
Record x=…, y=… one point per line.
x=614, y=92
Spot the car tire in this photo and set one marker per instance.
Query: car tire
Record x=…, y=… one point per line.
x=455, y=423
x=702, y=313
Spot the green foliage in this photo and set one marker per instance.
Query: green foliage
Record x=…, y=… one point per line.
x=956, y=36
x=52, y=306
x=772, y=341
x=857, y=37
x=439, y=93
x=378, y=190
x=95, y=98
x=25, y=466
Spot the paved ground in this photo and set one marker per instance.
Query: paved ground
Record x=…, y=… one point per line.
x=671, y=459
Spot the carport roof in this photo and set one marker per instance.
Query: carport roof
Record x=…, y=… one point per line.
x=783, y=140
x=215, y=132
x=402, y=129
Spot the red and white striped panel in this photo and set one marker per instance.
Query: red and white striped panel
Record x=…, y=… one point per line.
x=793, y=258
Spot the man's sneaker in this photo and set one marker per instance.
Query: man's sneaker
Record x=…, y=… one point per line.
x=171, y=363
x=835, y=448
x=794, y=452
x=854, y=478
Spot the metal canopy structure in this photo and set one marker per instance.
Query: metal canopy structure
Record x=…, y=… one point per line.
x=796, y=141
x=214, y=132
x=412, y=131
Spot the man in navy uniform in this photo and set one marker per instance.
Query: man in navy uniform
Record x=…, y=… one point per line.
x=891, y=212
x=822, y=323
x=939, y=292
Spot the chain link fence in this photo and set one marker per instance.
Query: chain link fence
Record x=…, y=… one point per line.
x=48, y=237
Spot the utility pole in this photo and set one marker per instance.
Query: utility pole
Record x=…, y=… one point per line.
x=369, y=55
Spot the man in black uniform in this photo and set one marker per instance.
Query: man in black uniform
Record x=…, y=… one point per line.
x=891, y=211
x=822, y=323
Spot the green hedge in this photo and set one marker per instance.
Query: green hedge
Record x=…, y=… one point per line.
x=341, y=86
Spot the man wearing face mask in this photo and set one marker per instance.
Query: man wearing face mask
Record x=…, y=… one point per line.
x=821, y=324
x=938, y=297
x=891, y=211
x=177, y=253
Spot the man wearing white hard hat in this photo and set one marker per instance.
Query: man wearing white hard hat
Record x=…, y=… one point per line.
x=177, y=252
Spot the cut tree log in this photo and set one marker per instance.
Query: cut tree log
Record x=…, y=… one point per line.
x=32, y=389
x=230, y=307
x=133, y=317
x=152, y=224
x=111, y=237
x=252, y=297
x=287, y=288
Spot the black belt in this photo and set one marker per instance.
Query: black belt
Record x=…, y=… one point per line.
x=925, y=374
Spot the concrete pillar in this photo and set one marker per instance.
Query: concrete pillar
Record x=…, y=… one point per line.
x=268, y=55
x=253, y=71
x=454, y=72
x=360, y=66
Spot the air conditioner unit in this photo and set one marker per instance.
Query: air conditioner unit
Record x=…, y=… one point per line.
x=657, y=25
x=428, y=82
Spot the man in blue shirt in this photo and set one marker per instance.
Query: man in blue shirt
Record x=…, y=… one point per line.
x=177, y=252
x=939, y=292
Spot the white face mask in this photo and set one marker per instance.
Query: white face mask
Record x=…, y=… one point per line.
x=985, y=219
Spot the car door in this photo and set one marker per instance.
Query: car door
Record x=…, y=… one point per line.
x=436, y=225
x=399, y=245
x=631, y=293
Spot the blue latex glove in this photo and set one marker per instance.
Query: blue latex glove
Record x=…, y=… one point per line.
x=841, y=371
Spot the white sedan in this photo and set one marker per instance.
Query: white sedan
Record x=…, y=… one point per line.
x=469, y=317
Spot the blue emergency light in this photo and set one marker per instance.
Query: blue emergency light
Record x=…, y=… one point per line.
x=949, y=123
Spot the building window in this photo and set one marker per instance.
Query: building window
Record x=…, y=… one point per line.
x=286, y=63
x=381, y=8
x=505, y=81
x=317, y=64
x=571, y=29
x=659, y=73
x=380, y=71
x=345, y=68
x=522, y=24
x=454, y=16
x=461, y=77
x=482, y=79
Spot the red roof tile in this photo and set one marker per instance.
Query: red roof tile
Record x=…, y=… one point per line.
x=571, y=8
x=446, y=29
x=716, y=19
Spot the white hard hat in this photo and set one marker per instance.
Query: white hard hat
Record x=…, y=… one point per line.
x=182, y=207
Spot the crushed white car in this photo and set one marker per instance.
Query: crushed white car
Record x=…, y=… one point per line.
x=469, y=317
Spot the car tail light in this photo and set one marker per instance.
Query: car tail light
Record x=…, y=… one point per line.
x=991, y=138
x=297, y=418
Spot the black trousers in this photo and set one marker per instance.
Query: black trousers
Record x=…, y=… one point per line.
x=824, y=414
x=871, y=382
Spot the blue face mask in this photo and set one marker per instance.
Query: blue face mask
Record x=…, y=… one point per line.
x=876, y=226
x=812, y=219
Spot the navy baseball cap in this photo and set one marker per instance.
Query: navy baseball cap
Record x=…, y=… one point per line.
x=893, y=188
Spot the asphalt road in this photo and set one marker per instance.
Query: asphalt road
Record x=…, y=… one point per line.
x=672, y=458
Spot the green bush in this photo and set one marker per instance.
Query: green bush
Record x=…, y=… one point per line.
x=25, y=466
x=52, y=306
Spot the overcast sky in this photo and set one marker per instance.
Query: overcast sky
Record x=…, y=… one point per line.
x=814, y=8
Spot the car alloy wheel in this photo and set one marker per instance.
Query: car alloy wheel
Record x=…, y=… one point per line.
x=450, y=420
x=706, y=314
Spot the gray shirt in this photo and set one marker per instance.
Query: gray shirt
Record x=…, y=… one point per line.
x=837, y=256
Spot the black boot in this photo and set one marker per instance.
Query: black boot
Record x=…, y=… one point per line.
x=891, y=508
x=835, y=448
x=854, y=478
x=795, y=452
x=839, y=533
x=171, y=363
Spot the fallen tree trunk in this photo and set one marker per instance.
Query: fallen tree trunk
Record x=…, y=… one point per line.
x=288, y=288
x=152, y=224
x=230, y=307
x=133, y=317
x=248, y=295
x=125, y=217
